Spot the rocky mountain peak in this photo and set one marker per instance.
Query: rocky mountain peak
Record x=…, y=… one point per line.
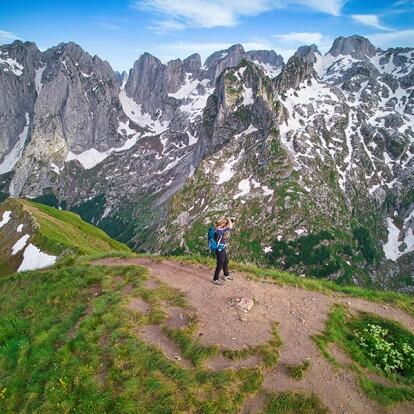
x=269, y=57
x=297, y=70
x=218, y=61
x=356, y=46
x=308, y=53
x=192, y=63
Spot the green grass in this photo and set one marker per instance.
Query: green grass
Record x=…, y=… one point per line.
x=401, y=300
x=298, y=371
x=340, y=330
x=268, y=352
x=294, y=403
x=57, y=232
x=69, y=344
x=386, y=395
x=60, y=229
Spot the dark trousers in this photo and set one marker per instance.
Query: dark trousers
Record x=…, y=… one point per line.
x=222, y=263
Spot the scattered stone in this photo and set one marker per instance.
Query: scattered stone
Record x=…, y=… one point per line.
x=243, y=304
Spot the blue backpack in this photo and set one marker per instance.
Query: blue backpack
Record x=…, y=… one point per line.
x=212, y=242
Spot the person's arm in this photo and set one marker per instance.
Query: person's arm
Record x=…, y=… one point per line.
x=229, y=224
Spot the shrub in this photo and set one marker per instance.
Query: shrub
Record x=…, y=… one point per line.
x=387, y=355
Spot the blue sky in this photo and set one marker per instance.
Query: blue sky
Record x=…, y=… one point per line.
x=120, y=30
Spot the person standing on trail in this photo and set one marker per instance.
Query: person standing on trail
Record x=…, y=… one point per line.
x=222, y=228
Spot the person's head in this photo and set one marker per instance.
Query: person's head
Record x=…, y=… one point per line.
x=221, y=223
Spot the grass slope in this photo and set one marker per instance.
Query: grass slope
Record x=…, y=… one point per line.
x=53, y=231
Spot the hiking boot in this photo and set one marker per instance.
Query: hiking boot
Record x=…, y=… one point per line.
x=217, y=282
x=228, y=277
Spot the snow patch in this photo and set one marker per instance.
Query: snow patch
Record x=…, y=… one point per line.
x=248, y=131
x=268, y=69
x=244, y=187
x=20, y=244
x=11, y=64
x=189, y=87
x=248, y=96
x=134, y=112
x=228, y=172
x=5, y=219
x=38, y=78
x=33, y=258
x=92, y=157
x=391, y=247
x=11, y=158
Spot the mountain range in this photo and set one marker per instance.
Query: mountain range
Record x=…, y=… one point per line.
x=313, y=157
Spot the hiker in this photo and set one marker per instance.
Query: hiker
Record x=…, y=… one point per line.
x=222, y=227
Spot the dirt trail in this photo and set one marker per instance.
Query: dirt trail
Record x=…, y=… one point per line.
x=300, y=314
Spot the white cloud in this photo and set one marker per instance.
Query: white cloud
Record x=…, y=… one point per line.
x=398, y=38
x=205, y=13
x=109, y=25
x=163, y=26
x=371, y=20
x=332, y=7
x=7, y=36
x=299, y=37
x=225, y=13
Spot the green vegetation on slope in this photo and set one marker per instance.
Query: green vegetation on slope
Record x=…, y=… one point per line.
x=53, y=231
x=60, y=229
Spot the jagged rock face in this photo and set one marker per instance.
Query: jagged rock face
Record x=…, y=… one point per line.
x=296, y=71
x=314, y=159
x=270, y=61
x=356, y=46
x=308, y=53
x=19, y=63
x=192, y=64
x=77, y=107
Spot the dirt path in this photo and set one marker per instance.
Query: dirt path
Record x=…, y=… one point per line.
x=300, y=314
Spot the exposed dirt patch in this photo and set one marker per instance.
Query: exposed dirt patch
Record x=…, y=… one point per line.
x=155, y=336
x=94, y=291
x=254, y=405
x=177, y=317
x=301, y=314
x=151, y=284
x=127, y=289
x=138, y=305
x=220, y=362
x=340, y=356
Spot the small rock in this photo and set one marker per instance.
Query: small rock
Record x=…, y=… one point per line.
x=245, y=304
x=177, y=357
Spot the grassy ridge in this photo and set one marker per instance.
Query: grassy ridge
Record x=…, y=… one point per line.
x=52, y=231
x=60, y=229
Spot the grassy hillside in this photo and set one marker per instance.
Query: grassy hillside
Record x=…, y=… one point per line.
x=52, y=231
